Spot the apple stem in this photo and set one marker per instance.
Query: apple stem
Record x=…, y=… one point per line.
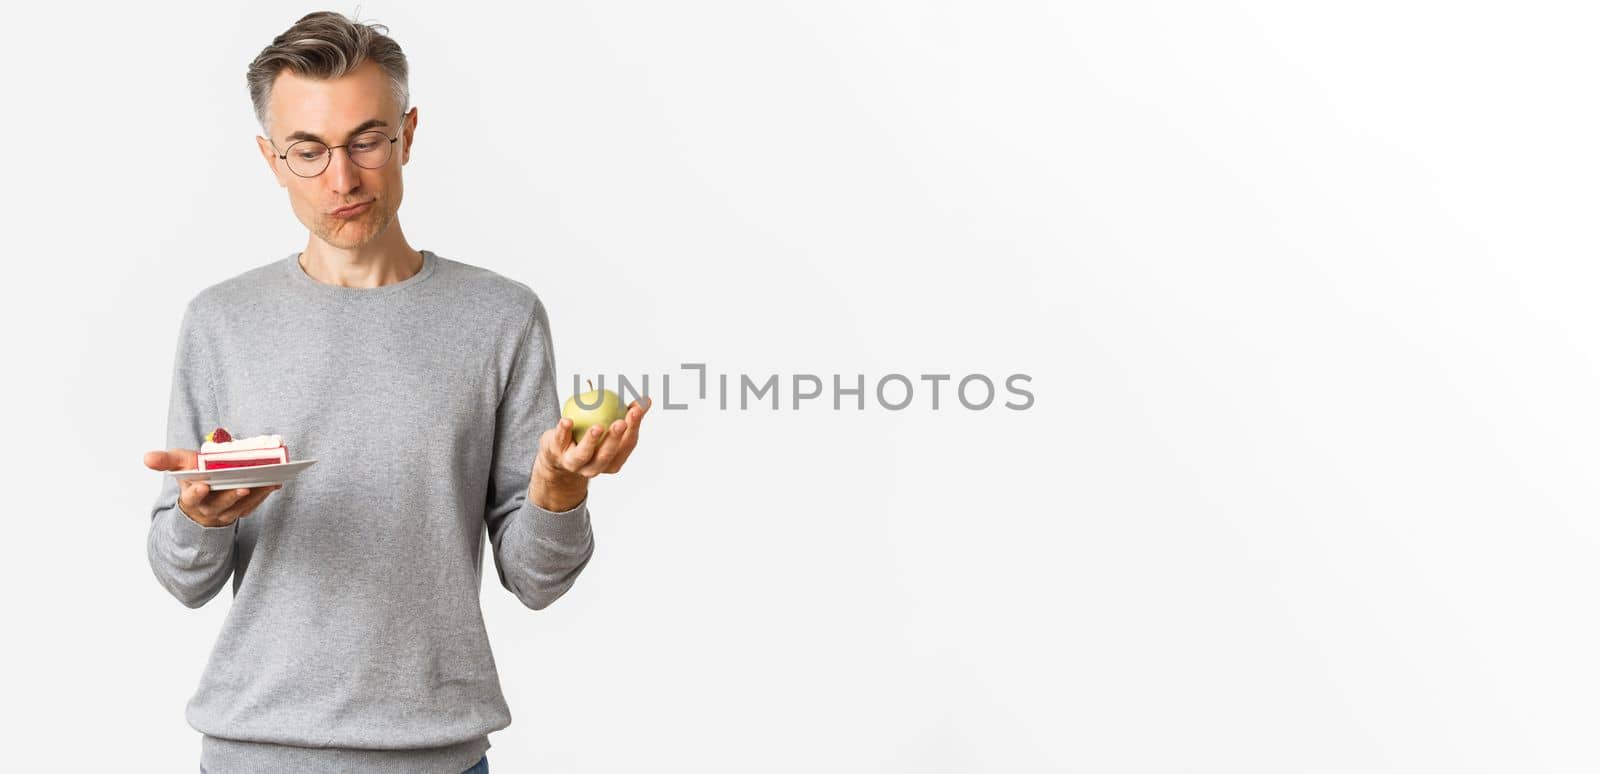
x=591, y=384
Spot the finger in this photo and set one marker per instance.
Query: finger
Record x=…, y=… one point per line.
x=635, y=420
x=194, y=492
x=619, y=441
x=608, y=450
x=636, y=412
x=248, y=504
x=171, y=459
x=244, y=505
x=583, y=452
x=550, y=446
x=200, y=494
x=630, y=439
x=575, y=457
x=221, y=500
x=563, y=435
x=623, y=452
x=549, y=441
x=201, y=501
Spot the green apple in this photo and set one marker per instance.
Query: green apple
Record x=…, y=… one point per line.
x=609, y=410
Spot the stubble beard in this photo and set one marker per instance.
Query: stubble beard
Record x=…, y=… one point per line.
x=370, y=226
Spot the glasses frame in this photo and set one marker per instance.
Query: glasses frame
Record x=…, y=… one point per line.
x=284, y=157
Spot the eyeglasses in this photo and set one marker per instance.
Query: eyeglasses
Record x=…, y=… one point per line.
x=309, y=158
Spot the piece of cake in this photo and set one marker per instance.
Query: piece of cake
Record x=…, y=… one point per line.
x=220, y=451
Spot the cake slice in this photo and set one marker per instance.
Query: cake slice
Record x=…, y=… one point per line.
x=220, y=451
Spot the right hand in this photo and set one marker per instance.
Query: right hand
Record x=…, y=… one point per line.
x=195, y=498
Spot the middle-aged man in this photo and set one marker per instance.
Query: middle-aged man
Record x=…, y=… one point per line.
x=425, y=388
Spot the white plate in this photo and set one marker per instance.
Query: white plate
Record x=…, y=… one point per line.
x=244, y=478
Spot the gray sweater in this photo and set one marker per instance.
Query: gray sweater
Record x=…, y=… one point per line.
x=355, y=641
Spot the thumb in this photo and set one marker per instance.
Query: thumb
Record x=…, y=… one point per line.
x=563, y=437
x=171, y=459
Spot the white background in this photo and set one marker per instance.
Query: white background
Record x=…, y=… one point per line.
x=1307, y=292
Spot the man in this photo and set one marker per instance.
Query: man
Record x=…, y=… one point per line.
x=425, y=389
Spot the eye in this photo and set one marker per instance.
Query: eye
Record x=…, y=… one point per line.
x=307, y=151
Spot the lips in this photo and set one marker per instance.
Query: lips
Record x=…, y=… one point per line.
x=353, y=209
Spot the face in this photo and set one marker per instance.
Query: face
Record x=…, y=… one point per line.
x=332, y=111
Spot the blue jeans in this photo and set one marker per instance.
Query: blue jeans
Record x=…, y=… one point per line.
x=481, y=767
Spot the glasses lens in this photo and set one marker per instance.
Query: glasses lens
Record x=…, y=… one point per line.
x=369, y=149
x=307, y=158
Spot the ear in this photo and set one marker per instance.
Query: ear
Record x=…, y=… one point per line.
x=410, y=124
x=271, y=157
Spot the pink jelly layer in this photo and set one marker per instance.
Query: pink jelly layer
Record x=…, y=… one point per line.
x=279, y=455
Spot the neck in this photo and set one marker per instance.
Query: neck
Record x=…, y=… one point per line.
x=364, y=266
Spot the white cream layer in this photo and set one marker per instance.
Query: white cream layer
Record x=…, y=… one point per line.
x=243, y=444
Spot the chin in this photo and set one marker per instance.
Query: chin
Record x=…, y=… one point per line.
x=347, y=234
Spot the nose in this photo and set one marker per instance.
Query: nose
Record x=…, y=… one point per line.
x=342, y=173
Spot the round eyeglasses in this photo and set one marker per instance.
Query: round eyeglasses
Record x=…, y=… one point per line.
x=368, y=150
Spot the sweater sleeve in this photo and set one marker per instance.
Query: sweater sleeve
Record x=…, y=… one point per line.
x=192, y=561
x=538, y=553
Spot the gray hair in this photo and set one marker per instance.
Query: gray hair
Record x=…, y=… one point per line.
x=326, y=45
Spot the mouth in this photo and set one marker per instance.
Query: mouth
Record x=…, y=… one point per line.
x=354, y=209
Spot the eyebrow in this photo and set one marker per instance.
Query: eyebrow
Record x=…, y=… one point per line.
x=365, y=125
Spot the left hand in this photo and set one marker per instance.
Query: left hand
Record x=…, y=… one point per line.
x=562, y=469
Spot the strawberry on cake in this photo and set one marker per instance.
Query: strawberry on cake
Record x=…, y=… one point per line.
x=220, y=451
